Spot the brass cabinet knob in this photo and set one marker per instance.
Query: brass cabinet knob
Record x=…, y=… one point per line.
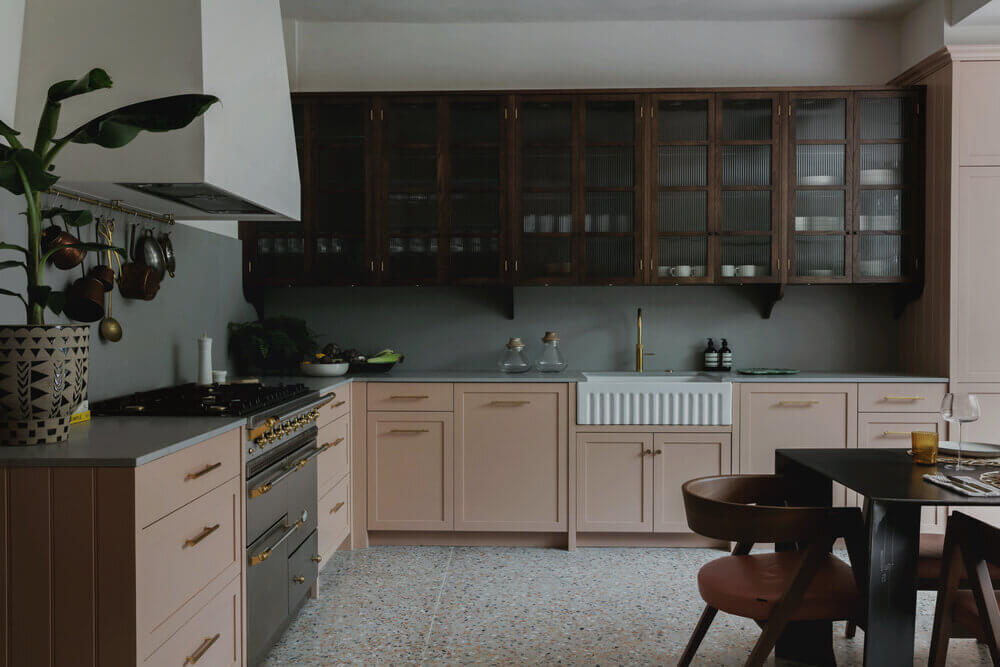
x=299, y=580
x=657, y=452
x=647, y=452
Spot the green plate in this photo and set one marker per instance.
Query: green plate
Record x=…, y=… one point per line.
x=767, y=371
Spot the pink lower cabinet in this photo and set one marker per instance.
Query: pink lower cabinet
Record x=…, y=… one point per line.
x=410, y=471
x=511, y=457
x=885, y=430
x=631, y=482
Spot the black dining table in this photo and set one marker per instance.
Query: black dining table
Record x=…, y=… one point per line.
x=894, y=492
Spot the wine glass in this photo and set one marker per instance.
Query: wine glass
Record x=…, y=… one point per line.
x=959, y=409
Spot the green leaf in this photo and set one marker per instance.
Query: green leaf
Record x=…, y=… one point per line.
x=10, y=134
x=117, y=128
x=10, y=293
x=93, y=80
x=38, y=294
x=56, y=302
x=73, y=218
x=10, y=264
x=13, y=246
x=31, y=164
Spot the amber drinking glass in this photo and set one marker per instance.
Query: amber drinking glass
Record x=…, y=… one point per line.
x=925, y=447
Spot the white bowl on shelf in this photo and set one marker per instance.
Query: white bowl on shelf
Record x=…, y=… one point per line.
x=323, y=370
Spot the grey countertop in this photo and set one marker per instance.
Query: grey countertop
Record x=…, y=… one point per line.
x=133, y=441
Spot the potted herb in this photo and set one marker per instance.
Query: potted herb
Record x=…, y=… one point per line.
x=272, y=346
x=43, y=369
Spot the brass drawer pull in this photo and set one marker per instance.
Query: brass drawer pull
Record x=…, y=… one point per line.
x=403, y=397
x=336, y=508
x=904, y=398
x=328, y=445
x=410, y=430
x=797, y=404
x=260, y=490
x=338, y=404
x=299, y=580
x=266, y=553
x=316, y=559
x=205, y=645
x=203, y=471
x=512, y=404
x=190, y=542
x=900, y=433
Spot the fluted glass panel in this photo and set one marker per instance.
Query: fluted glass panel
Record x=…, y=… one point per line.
x=610, y=166
x=819, y=256
x=608, y=212
x=340, y=123
x=880, y=255
x=547, y=167
x=749, y=256
x=885, y=117
x=341, y=212
x=546, y=257
x=475, y=168
x=683, y=165
x=477, y=212
x=412, y=123
x=683, y=211
x=746, y=210
x=340, y=168
x=475, y=122
x=474, y=257
x=682, y=255
x=413, y=259
x=546, y=212
x=280, y=250
x=610, y=122
x=819, y=211
x=819, y=164
x=746, y=120
x=412, y=213
x=746, y=165
x=412, y=169
x=336, y=259
x=881, y=164
x=683, y=120
x=548, y=123
x=610, y=256
x=881, y=211
x=821, y=119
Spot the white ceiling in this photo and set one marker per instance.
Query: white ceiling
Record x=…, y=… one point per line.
x=503, y=11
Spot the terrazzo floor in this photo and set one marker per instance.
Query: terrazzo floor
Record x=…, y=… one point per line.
x=479, y=605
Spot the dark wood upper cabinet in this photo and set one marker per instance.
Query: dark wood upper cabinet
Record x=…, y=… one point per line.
x=569, y=188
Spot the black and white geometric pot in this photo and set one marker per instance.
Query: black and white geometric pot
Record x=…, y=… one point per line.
x=43, y=378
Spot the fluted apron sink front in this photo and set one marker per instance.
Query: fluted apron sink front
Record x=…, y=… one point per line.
x=694, y=399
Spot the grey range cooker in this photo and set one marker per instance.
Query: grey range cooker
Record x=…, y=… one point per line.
x=282, y=560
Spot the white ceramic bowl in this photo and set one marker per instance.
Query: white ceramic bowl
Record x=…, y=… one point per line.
x=323, y=370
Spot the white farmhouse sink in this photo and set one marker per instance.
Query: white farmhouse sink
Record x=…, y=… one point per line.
x=682, y=399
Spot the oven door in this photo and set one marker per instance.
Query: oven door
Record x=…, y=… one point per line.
x=267, y=586
x=279, y=488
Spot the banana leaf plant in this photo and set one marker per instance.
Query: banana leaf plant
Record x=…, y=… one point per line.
x=29, y=172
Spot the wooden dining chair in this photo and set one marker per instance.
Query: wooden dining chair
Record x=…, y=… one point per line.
x=803, y=582
x=970, y=547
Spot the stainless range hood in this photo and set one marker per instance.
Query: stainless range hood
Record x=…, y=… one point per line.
x=238, y=161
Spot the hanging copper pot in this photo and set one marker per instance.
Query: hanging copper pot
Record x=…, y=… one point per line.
x=65, y=258
x=85, y=300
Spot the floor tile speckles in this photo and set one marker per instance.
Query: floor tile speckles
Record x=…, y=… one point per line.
x=462, y=605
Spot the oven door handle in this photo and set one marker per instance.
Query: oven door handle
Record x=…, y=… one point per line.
x=266, y=553
x=291, y=468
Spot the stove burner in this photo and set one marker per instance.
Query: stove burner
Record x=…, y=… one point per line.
x=191, y=400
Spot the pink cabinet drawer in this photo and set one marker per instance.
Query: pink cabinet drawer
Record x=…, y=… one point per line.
x=410, y=396
x=335, y=460
x=183, y=552
x=890, y=430
x=334, y=518
x=213, y=636
x=338, y=404
x=175, y=480
x=900, y=397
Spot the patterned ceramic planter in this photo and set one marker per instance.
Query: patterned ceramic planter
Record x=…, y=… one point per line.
x=43, y=378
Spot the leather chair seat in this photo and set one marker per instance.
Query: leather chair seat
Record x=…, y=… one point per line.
x=929, y=559
x=750, y=586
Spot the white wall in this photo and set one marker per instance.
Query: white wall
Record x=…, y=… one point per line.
x=413, y=56
x=929, y=26
x=11, y=26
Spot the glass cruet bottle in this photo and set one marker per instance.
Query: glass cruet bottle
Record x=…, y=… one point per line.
x=513, y=359
x=552, y=360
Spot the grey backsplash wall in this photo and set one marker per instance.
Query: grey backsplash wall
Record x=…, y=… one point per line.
x=159, y=346
x=833, y=328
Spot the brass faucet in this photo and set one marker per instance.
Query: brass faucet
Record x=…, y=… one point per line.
x=639, y=354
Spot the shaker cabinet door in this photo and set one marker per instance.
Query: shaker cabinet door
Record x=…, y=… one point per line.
x=614, y=482
x=511, y=456
x=677, y=458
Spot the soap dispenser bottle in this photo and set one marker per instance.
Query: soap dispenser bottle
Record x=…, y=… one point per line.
x=711, y=357
x=725, y=357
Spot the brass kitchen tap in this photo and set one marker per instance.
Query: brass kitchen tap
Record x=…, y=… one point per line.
x=639, y=354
